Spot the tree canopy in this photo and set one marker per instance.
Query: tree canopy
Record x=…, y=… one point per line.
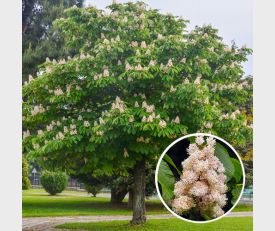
x=39, y=39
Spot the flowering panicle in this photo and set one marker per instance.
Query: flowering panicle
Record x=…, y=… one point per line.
x=58, y=92
x=37, y=109
x=26, y=134
x=202, y=184
x=118, y=104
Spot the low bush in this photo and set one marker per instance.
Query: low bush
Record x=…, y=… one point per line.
x=93, y=189
x=54, y=182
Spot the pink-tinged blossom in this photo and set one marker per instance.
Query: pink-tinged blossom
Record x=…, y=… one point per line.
x=173, y=89
x=189, y=176
x=86, y=124
x=209, y=125
x=49, y=127
x=162, y=123
x=136, y=104
x=58, y=92
x=30, y=78
x=101, y=121
x=37, y=109
x=202, y=181
x=177, y=120
x=26, y=134
x=182, y=204
x=143, y=44
x=169, y=63
x=199, y=189
x=118, y=104
x=106, y=73
x=128, y=66
x=152, y=63
x=150, y=108
x=134, y=43
x=138, y=67
x=199, y=140
x=183, y=60
x=210, y=141
x=186, y=81
x=198, y=80
x=192, y=148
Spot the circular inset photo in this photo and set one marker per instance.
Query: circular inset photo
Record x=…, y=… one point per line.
x=200, y=178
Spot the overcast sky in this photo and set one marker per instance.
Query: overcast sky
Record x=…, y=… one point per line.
x=232, y=18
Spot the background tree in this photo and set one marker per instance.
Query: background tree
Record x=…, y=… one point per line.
x=140, y=80
x=39, y=38
x=25, y=174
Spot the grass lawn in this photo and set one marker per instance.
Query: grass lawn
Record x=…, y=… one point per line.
x=37, y=203
x=225, y=224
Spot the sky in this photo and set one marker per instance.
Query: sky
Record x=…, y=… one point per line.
x=233, y=18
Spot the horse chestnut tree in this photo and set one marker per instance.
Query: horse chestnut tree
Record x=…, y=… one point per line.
x=139, y=81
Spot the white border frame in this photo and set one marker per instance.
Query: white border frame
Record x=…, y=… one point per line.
x=157, y=169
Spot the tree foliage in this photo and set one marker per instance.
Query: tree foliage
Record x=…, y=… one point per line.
x=97, y=108
x=25, y=173
x=40, y=40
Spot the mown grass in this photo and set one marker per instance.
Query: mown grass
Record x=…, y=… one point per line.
x=37, y=203
x=173, y=224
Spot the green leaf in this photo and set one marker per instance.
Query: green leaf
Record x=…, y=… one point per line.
x=236, y=193
x=170, y=161
x=166, y=180
x=224, y=157
x=238, y=173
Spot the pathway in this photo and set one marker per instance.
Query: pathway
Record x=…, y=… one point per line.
x=48, y=223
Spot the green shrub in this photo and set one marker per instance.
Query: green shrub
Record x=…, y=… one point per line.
x=93, y=189
x=54, y=182
x=25, y=179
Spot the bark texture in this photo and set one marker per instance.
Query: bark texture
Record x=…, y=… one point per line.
x=130, y=199
x=139, y=194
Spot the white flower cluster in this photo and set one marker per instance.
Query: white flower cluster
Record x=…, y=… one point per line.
x=149, y=108
x=222, y=87
x=136, y=68
x=73, y=129
x=198, y=79
x=232, y=116
x=59, y=136
x=141, y=139
x=99, y=133
x=58, y=92
x=209, y=125
x=105, y=74
x=176, y=120
x=86, y=124
x=118, y=104
x=26, y=134
x=202, y=183
x=135, y=44
x=38, y=109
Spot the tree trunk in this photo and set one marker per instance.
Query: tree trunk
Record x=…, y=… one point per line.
x=139, y=194
x=130, y=199
x=117, y=196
